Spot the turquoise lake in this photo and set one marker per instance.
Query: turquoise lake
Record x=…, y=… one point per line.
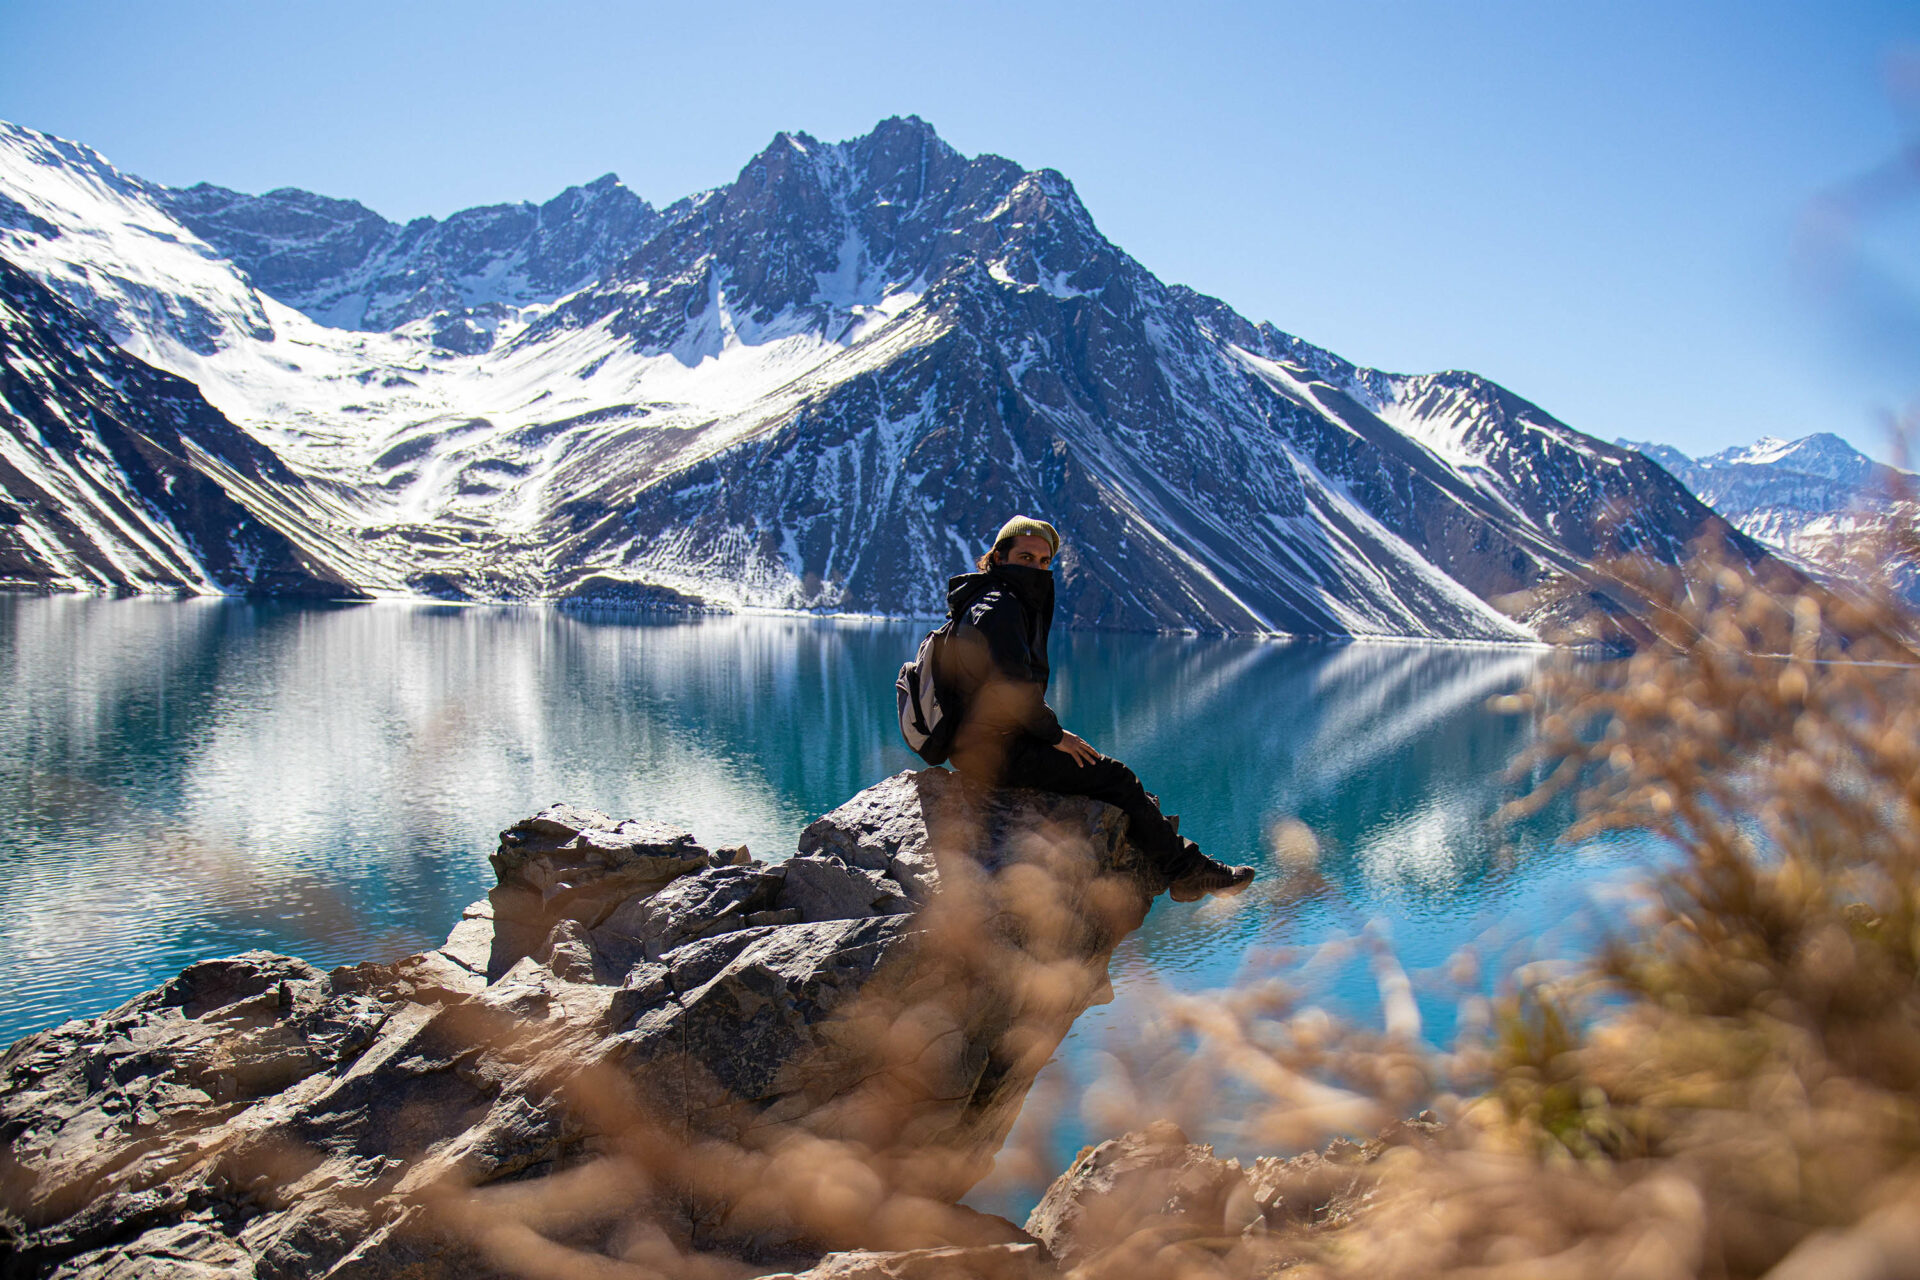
x=192, y=778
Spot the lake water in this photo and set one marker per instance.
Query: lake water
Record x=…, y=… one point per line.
x=191, y=778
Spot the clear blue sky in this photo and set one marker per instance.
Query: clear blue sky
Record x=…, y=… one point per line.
x=1598, y=205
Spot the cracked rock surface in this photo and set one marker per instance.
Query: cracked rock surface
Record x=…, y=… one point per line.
x=634, y=1051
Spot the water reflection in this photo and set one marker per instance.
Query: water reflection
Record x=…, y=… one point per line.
x=187, y=778
x=1390, y=754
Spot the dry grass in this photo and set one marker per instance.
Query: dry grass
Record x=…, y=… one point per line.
x=1731, y=1088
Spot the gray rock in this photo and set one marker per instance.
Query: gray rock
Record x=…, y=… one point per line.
x=435, y=971
x=1141, y=1192
x=979, y=1262
x=886, y=828
x=1154, y=1182
x=577, y=864
x=900, y=827
x=627, y=1051
x=647, y=986
x=567, y=953
x=700, y=904
x=177, y=1251
x=752, y=1013
x=471, y=942
x=829, y=889
x=692, y=965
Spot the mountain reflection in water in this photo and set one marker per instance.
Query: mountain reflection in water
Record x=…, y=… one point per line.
x=194, y=778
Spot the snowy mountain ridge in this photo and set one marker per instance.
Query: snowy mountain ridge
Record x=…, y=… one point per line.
x=345, y=266
x=117, y=472
x=1817, y=498
x=819, y=387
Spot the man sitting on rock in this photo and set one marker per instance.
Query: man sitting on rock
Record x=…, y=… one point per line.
x=996, y=663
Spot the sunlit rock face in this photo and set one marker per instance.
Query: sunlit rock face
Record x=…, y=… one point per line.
x=636, y=1049
x=822, y=386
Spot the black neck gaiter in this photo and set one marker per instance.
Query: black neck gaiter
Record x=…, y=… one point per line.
x=1033, y=587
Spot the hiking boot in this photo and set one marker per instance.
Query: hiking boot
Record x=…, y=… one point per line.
x=1205, y=875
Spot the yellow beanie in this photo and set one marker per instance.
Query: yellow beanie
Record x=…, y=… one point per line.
x=1022, y=526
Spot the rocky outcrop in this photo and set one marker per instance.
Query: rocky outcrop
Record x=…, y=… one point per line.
x=981, y=1262
x=1133, y=1205
x=1153, y=1204
x=636, y=1049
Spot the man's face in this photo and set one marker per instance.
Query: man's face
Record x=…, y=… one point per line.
x=1030, y=549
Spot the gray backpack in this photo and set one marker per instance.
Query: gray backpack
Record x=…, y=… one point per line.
x=928, y=714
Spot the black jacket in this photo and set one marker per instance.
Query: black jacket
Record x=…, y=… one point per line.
x=996, y=660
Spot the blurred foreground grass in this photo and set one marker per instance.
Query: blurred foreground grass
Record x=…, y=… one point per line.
x=1731, y=1088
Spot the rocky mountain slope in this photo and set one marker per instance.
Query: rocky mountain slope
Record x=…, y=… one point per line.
x=820, y=387
x=346, y=266
x=116, y=475
x=1816, y=498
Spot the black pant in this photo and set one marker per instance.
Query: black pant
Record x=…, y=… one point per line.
x=1021, y=761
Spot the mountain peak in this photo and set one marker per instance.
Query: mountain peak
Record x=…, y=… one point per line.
x=347, y=267
x=45, y=147
x=1769, y=450
x=905, y=127
x=1046, y=194
x=604, y=191
x=899, y=136
x=1824, y=444
x=786, y=142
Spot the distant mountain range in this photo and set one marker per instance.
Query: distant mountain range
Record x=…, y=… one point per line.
x=1817, y=498
x=346, y=266
x=818, y=387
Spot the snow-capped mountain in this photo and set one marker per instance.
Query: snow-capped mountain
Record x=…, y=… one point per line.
x=1817, y=497
x=115, y=475
x=821, y=386
x=344, y=265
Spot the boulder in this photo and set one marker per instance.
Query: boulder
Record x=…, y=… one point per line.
x=829, y=889
x=1155, y=1195
x=575, y=864
x=693, y=907
x=1152, y=1182
x=632, y=1051
x=982, y=1262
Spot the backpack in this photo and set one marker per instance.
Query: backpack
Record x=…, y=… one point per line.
x=928, y=714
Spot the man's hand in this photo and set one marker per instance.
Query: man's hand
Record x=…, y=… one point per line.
x=1078, y=747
